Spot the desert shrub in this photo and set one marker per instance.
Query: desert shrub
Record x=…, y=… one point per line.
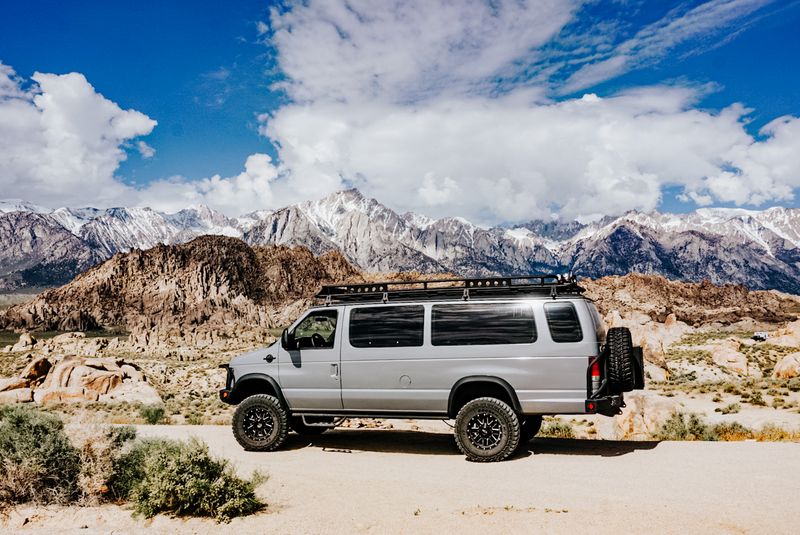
x=98, y=448
x=733, y=408
x=756, y=398
x=730, y=431
x=556, y=429
x=774, y=433
x=195, y=418
x=152, y=414
x=731, y=388
x=183, y=479
x=680, y=426
x=39, y=464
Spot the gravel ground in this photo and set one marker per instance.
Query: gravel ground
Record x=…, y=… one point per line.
x=403, y=481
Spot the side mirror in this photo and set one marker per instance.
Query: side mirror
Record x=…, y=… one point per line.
x=287, y=340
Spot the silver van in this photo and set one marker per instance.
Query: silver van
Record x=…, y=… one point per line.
x=495, y=354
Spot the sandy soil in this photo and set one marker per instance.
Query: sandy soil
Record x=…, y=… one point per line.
x=402, y=481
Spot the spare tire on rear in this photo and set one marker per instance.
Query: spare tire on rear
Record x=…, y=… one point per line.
x=619, y=359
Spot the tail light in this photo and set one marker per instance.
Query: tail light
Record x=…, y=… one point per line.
x=595, y=373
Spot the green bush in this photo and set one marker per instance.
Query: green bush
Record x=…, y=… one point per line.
x=99, y=448
x=556, y=429
x=152, y=414
x=730, y=431
x=684, y=427
x=183, y=479
x=732, y=408
x=39, y=464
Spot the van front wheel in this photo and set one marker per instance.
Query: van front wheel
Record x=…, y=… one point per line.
x=487, y=430
x=260, y=423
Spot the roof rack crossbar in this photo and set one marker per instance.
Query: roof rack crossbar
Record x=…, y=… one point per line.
x=455, y=288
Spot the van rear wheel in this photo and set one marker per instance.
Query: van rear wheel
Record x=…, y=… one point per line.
x=486, y=430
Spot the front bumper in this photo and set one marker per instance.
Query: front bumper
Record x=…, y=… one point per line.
x=226, y=394
x=607, y=405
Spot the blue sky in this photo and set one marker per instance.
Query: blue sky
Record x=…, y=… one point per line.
x=356, y=79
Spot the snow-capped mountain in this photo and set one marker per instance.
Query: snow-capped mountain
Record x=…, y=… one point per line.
x=760, y=249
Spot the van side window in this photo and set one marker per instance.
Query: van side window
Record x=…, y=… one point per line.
x=482, y=324
x=392, y=326
x=563, y=322
x=317, y=330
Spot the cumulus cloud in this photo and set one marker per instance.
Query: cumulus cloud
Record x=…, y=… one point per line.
x=145, y=150
x=398, y=103
x=441, y=107
x=60, y=141
x=355, y=50
x=501, y=160
x=248, y=191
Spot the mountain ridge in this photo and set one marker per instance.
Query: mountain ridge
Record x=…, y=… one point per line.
x=760, y=249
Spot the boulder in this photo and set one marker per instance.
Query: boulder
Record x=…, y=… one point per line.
x=59, y=375
x=26, y=341
x=786, y=336
x=19, y=395
x=643, y=415
x=726, y=354
x=36, y=369
x=45, y=396
x=132, y=373
x=101, y=381
x=13, y=383
x=132, y=392
x=788, y=367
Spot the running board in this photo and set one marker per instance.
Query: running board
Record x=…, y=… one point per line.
x=325, y=425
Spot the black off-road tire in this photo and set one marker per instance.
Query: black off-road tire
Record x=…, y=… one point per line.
x=260, y=423
x=529, y=426
x=620, y=365
x=487, y=430
x=297, y=425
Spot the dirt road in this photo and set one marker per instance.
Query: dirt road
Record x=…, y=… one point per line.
x=399, y=481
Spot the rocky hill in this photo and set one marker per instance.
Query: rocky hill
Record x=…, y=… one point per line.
x=212, y=286
x=758, y=249
x=693, y=303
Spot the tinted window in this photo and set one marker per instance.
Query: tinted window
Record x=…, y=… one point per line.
x=317, y=330
x=563, y=322
x=399, y=326
x=485, y=323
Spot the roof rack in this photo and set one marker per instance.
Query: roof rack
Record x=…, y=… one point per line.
x=552, y=285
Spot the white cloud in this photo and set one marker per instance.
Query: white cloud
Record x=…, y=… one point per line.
x=406, y=50
x=402, y=99
x=61, y=141
x=501, y=159
x=145, y=150
x=656, y=40
x=397, y=101
x=246, y=192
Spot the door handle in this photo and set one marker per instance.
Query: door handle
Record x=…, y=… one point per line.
x=335, y=371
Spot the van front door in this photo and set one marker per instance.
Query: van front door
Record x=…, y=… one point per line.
x=309, y=371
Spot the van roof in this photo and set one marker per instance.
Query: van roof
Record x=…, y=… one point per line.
x=466, y=289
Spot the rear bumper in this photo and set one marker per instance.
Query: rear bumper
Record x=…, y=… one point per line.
x=607, y=405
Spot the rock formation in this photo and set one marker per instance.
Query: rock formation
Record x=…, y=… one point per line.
x=692, y=303
x=212, y=287
x=66, y=379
